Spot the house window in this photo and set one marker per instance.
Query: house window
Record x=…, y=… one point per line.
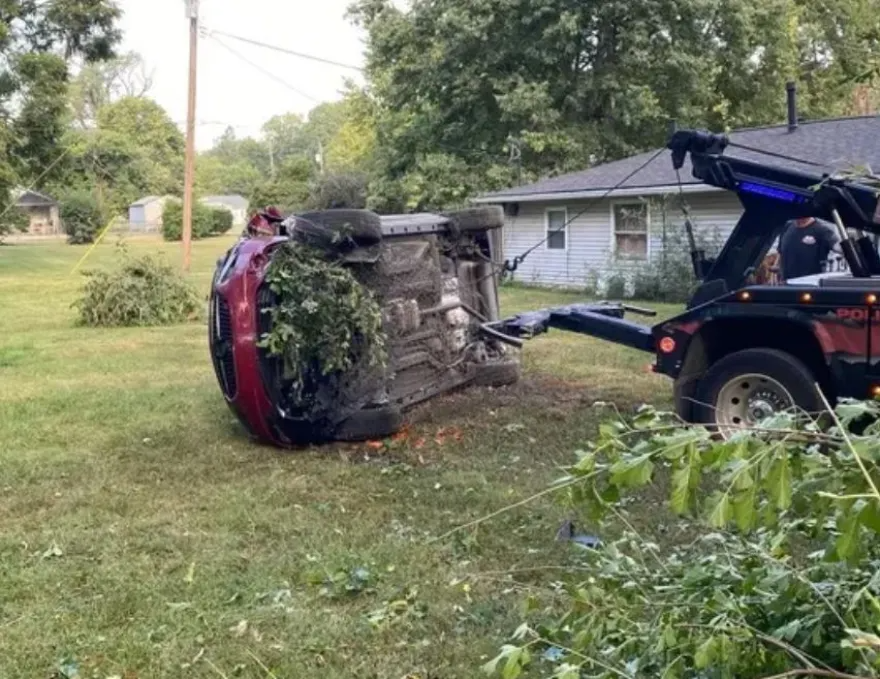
x=557, y=229
x=630, y=222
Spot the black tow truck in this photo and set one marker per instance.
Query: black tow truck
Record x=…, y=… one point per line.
x=741, y=352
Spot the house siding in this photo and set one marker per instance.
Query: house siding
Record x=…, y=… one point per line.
x=589, y=240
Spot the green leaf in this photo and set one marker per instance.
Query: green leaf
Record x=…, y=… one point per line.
x=847, y=542
x=745, y=510
x=685, y=480
x=870, y=515
x=632, y=472
x=778, y=482
x=722, y=510
x=705, y=654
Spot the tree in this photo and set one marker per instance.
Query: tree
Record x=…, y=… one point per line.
x=342, y=190
x=288, y=191
x=101, y=83
x=230, y=149
x=217, y=177
x=38, y=42
x=546, y=86
x=159, y=143
x=82, y=216
x=41, y=120
x=352, y=146
x=283, y=138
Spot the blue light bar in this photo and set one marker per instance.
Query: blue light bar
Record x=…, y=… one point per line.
x=772, y=192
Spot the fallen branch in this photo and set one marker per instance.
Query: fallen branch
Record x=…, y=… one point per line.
x=813, y=672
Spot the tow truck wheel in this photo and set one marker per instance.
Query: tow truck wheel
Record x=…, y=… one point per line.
x=748, y=386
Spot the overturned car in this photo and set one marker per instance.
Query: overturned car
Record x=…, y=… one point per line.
x=435, y=279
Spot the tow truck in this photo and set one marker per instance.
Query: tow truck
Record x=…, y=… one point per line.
x=741, y=352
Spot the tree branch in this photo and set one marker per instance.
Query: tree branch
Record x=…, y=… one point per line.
x=813, y=672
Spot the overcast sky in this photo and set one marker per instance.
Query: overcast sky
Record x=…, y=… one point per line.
x=231, y=91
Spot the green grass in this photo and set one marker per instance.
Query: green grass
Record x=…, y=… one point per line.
x=140, y=529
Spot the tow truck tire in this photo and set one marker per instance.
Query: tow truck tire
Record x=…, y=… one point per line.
x=477, y=218
x=748, y=379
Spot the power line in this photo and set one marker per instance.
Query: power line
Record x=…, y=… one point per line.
x=284, y=50
x=264, y=71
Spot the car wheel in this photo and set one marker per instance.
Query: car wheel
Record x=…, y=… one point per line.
x=748, y=386
x=363, y=225
x=370, y=423
x=477, y=218
x=497, y=374
x=342, y=232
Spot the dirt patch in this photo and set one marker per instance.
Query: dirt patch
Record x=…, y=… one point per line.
x=552, y=397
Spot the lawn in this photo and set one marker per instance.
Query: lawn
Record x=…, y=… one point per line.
x=144, y=536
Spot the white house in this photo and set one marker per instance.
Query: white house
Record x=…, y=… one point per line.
x=237, y=205
x=627, y=225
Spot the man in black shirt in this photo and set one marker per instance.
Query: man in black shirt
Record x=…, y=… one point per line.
x=805, y=245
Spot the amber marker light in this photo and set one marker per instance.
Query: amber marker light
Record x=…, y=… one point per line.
x=745, y=296
x=806, y=297
x=871, y=299
x=667, y=345
x=875, y=391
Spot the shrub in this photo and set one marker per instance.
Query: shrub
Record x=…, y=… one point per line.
x=342, y=190
x=220, y=220
x=615, y=286
x=82, y=217
x=206, y=221
x=781, y=578
x=140, y=291
x=14, y=220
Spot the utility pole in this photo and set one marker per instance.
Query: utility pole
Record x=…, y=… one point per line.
x=192, y=13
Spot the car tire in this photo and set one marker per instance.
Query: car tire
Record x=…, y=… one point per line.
x=476, y=218
x=340, y=232
x=365, y=226
x=370, y=423
x=499, y=374
x=736, y=389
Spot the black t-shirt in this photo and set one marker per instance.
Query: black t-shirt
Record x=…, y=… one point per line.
x=802, y=250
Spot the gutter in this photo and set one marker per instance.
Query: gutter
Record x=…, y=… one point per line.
x=593, y=193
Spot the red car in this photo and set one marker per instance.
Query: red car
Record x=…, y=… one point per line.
x=436, y=277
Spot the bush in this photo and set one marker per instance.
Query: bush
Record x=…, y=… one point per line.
x=220, y=220
x=206, y=221
x=82, y=217
x=344, y=190
x=783, y=572
x=140, y=291
x=14, y=220
x=615, y=286
x=668, y=276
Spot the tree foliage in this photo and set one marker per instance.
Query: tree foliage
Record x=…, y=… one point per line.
x=548, y=86
x=99, y=84
x=782, y=575
x=325, y=323
x=82, y=216
x=38, y=42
